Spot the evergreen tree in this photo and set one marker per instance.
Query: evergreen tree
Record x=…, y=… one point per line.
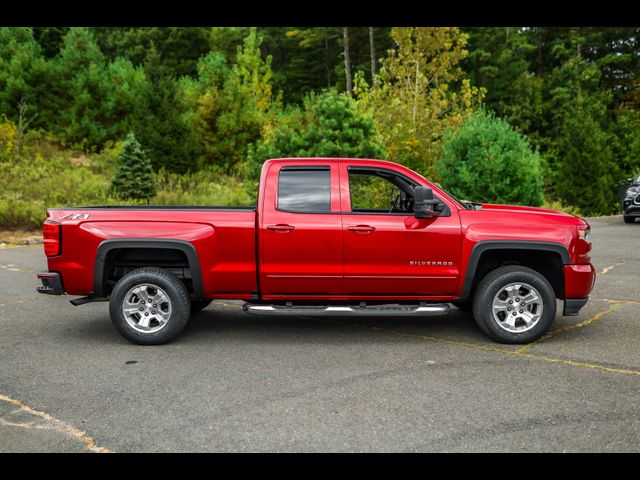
x=584, y=176
x=159, y=120
x=94, y=99
x=134, y=178
x=487, y=161
x=51, y=39
x=499, y=61
x=328, y=126
x=24, y=76
x=179, y=48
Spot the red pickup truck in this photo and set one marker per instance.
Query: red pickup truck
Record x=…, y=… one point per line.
x=329, y=236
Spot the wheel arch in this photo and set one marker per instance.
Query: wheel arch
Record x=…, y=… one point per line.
x=547, y=258
x=108, y=247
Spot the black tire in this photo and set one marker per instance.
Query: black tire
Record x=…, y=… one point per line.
x=465, y=306
x=197, y=305
x=180, y=306
x=493, y=283
x=628, y=219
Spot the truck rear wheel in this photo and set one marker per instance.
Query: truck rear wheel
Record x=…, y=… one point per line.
x=149, y=306
x=514, y=304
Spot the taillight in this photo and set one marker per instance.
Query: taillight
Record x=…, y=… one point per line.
x=51, y=234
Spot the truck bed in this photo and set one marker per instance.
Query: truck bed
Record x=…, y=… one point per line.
x=224, y=239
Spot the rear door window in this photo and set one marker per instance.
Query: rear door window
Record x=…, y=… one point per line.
x=304, y=190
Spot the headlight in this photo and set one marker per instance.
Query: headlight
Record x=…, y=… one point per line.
x=631, y=191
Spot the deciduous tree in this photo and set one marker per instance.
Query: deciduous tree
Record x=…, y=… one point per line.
x=421, y=94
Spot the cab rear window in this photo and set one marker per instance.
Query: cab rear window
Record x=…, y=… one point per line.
x=304, y=189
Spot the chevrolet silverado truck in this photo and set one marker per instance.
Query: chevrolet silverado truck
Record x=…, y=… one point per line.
x=328, y=236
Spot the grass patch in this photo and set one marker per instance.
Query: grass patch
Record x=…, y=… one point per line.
x=47, y=176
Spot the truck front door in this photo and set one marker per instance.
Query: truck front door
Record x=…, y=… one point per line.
x=387, y=251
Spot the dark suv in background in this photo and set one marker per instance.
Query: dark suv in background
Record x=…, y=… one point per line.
x=630, y=199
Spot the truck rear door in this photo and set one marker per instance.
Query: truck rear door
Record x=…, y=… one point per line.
x=300, y=234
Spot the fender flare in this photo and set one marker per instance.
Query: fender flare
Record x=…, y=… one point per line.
x=121, y=243
x=487, y=245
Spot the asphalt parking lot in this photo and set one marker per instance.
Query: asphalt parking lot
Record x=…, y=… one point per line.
x=232, y=382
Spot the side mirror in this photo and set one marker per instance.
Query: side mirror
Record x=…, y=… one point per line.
x=423, y=203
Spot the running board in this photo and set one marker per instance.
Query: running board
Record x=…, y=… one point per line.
x=426, y=309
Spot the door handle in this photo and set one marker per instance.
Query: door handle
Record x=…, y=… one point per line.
x=281, y=227
x=361, y=228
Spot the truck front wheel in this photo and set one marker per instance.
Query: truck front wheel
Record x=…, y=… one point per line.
x=149, y=306
x=514, y=304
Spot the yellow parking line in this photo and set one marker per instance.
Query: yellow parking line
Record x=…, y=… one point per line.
x=622, y=302
x=505, y=351
x=574, y=363
x=520, y=352
x=605, y=270
x=51, y=423
x=566, y=328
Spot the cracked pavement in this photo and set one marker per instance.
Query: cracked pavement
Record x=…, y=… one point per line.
x=233, y=382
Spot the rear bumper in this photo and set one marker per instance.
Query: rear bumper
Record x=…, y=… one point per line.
x=578, y=283
x=51, y=283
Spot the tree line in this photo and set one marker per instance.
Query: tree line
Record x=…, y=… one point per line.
x=511, y=114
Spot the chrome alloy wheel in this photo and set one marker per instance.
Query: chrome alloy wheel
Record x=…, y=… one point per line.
x=146, y=308
x=517, y=307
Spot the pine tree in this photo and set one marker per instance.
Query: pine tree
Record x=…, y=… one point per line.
x=159, y=120
x=486, y=160
x=24, y=75
x=92, y=99
x=134, y=178
x=329, y=126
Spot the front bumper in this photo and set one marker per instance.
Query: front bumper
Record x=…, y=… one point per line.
x=578, y=283
x=631, y=207
x=51, y=283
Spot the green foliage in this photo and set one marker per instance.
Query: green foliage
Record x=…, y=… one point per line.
x=46, y=176
x=50, y=39
x=229, y=105
x=24, y=74
x=205, y=187
x=487, y=161
x=94, y=98
x=134, y=178
x=179, y=48
x=205, y=98
x=585, y=175
x=328, y=126
x=421, y=93
x=160, y=123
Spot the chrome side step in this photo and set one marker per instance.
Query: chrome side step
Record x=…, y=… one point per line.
x=425, y=309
